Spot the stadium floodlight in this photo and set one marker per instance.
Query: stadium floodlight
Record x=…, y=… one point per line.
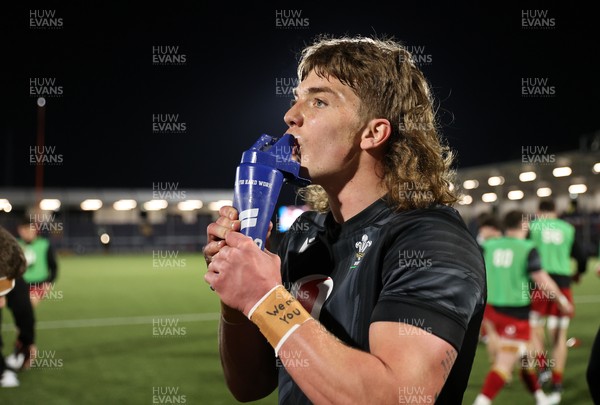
x=216, y=205
x=496, y=180
x=155, y=205
x=124, y=205
x=465, y=200
x=577, y=188
x=596, y=168
x=91, y=204
x=544, y=192
x=527, y=176
x=105, y=239
x=563, y=171
x=50, y=204
x=470, y=184
x=190, y=205
x=515, y=195
x=5, y=205
x=489, y=197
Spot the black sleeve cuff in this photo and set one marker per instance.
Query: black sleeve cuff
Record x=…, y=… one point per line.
x=426, y=318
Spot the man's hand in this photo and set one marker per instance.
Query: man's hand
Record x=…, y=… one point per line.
x=564, y=306
x=241, y=273
x=218, y=230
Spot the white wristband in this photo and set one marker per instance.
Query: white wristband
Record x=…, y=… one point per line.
x=278, y=315
x=260, y=301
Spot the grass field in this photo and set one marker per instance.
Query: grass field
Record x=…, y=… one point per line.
x=130, y=330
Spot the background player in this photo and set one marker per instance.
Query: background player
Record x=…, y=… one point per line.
x=37, y=281
x=511, y=261
x=488, y=227
x=555, y=241
x=42, y=267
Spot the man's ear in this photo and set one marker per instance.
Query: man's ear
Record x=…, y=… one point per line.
x=375, y=134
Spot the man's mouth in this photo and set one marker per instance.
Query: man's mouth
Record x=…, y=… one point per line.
x=297, y=151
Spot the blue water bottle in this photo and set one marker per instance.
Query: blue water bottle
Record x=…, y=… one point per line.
x=258, y=179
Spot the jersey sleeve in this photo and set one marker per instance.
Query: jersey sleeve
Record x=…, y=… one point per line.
x=534, y=263
x=579, y=256
x=433, y=278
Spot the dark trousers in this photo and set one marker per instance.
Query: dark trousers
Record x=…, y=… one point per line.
x=20, y=305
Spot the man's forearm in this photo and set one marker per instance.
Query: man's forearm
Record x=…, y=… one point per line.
x=330, y=372
x=248, y=360
x=547, y=284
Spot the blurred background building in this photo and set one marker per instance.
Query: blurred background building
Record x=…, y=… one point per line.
x=135, y=220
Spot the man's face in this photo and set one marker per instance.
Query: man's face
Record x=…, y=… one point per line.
x=27, y=232
x=326, y=123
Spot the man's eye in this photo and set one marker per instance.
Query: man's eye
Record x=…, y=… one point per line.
x=293, y=103
x=319, y=103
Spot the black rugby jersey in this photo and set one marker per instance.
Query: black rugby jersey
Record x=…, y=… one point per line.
x=420, y=267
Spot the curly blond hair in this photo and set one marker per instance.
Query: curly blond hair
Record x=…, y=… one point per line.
x=382, y=73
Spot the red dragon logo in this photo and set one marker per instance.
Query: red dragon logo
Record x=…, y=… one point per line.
x=312, y=291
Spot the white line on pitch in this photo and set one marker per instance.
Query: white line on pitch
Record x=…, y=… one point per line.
x=202, y=317
x=586, y=299
x=134, y=320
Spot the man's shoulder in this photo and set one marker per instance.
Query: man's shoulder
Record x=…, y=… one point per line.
x=438, y=218
x=41, y=241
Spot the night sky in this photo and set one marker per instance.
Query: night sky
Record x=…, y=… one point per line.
x=226, y=73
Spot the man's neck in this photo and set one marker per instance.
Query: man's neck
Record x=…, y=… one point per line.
x=354, y=189
x=515, y=233
x=353, y=198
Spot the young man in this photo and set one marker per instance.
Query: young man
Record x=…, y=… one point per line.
x=29, y=290
x=12, y=266
x=488, y=227
x=41, y=260
x=555, y=241
x=391, y=282
x=511, y=261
